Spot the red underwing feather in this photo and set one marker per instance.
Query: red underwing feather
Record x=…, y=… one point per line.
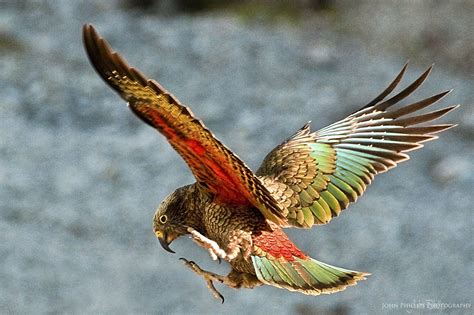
x=277, y=244
x=214, y=166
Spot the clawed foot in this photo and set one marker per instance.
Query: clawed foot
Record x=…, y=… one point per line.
x=234, y=280
x=213, y=248
x=208, y=276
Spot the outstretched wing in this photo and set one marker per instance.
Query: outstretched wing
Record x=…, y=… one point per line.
x=316, y=175
x=215, y=167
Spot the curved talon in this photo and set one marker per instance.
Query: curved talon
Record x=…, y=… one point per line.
x=214, y=291
x=185, y=260
x=234, y=279
x=208, y=276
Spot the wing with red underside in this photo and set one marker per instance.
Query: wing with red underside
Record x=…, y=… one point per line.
x=278, y=262
x=214, y=165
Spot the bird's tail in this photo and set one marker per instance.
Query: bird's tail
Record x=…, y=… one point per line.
x=305, y=275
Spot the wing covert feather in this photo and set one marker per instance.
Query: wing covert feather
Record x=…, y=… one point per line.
x=316, y=175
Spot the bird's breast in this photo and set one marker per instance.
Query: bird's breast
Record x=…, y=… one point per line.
x=224, y=224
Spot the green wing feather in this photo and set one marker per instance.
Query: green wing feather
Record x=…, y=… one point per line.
x=316, y=175
x=307, y=276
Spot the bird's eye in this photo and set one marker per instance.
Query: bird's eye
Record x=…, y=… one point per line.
x=163, y=218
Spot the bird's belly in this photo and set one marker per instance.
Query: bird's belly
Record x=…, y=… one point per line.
x=228, y=225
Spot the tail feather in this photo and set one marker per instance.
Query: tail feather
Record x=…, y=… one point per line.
x=307, y=276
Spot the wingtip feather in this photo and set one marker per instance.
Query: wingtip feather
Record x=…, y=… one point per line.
x=389, y=88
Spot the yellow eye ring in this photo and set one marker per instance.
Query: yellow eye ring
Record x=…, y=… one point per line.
x=163, y=218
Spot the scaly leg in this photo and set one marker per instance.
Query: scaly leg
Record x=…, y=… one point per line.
x=213, y=248
x=234, y=279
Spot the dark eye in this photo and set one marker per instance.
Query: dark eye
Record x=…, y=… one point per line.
x=163, y=218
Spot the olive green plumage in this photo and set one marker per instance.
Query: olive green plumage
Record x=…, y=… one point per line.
x=238, y=215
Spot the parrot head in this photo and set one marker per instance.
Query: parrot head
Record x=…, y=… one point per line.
x=169, y=221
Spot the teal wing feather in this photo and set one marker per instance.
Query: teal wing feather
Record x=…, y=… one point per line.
x=315, y=175
x=307, y=276
x=278, y=262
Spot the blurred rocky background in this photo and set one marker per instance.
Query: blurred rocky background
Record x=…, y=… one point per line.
x=80, y=176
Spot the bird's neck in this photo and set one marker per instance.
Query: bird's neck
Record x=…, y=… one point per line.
x=196, y=202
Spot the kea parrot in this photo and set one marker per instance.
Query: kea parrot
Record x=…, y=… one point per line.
x=238, y=215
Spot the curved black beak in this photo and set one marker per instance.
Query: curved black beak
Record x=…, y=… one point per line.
x=164, y=242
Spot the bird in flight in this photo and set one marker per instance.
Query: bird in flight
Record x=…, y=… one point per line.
x=239, y=215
